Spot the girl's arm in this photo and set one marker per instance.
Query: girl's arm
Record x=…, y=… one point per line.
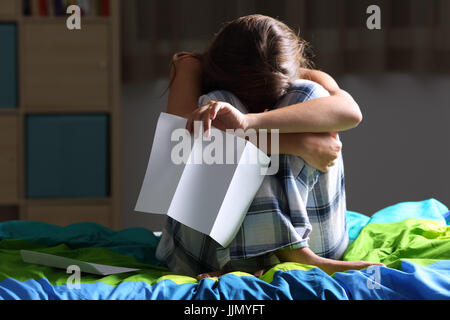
x=338, y=112
x=186, y=85
x=318, y=150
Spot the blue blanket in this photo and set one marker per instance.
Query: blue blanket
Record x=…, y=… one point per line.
x=412, y=239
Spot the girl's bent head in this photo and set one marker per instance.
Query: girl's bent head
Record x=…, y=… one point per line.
x=256, y=57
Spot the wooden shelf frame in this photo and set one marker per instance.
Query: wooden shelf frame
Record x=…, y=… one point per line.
x=110, y=214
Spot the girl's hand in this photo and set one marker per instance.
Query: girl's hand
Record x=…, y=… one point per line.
x=221, y=115
x=320, y=150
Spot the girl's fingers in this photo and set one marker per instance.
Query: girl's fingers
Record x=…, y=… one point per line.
x=189, y=124
x=215, y=110
x=206, y=114
x=191, y=121
x=209, y=115
x=206, y=123
x=324, y=169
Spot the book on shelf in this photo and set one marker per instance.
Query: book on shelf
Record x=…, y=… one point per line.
x=43, y=8
x=58, y=8
x=105, y=8
x=48, y=8
x=85, y=6
x=26, y=8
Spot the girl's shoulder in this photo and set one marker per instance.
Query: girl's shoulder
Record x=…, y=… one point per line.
x=187, y=59
x=184, y=55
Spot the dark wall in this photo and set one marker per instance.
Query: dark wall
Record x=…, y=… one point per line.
x=399, y=75
x=400, y=152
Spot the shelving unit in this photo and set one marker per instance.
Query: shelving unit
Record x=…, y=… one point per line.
x=67, y=101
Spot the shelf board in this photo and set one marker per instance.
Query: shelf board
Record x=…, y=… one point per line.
x=68, y=201
x=8, y=19
x=62, y=19
x=65, y=110
x=12, y=111
x=9, y=203
x=104, y=210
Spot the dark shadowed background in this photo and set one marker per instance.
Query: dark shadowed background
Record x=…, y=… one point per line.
x=399, y=75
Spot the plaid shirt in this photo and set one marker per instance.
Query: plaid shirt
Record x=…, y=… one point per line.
x=297, y=207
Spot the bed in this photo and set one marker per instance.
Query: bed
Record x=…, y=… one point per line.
x=411, y=238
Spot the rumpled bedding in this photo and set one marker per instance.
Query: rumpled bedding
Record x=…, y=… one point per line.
x=411, y=238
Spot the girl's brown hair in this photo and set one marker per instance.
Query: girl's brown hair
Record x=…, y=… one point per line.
x=256, y=57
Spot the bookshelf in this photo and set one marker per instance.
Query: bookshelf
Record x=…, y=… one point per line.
x=59, y=113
